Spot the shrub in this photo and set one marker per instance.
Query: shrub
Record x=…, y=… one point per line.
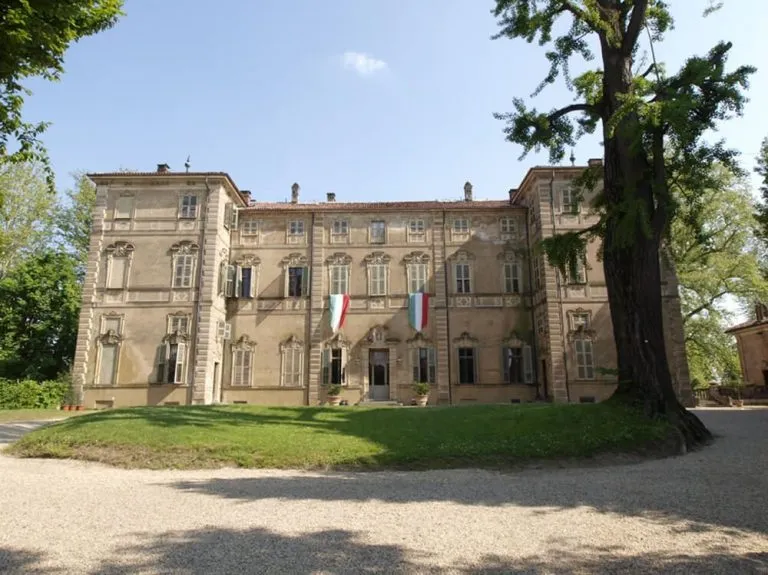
x=28, y=394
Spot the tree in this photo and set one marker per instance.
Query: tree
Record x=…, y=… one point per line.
x=39, y=306
x=642, y=115
x=34, y=35
x=74, y=218
x=717, y=255
x=762, y=170
x=25, y=213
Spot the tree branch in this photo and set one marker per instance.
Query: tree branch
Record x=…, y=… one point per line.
x=704, y=306
x=636, y=22
x=581, y=107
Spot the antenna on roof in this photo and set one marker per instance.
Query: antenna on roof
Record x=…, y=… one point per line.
x=187, y=164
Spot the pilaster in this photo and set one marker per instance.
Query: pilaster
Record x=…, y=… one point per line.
x=440, y=310
x=315, y=339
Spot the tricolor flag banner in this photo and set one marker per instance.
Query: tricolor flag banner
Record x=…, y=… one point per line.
x=418, y=310
x=339, y=305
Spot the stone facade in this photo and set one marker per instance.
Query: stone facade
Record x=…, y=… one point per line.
x=752, y=342
x=195, y=295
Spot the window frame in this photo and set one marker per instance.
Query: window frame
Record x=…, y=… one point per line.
x=292, y=355
x=303, y=284
x=177, y=282
x=326, y=365
x=413, y=279
x=373, y=238
x=460, y=230
x=242, y=371
x=585, y=370
x=188, y=207
x=381, y=282
x=417, y=235
x=343, y=272
x=510, y=223
x=512, y=282
x=120, y=215
x=466, y=282
x=459, y=372
x=430, y=362
x=296, y=231
x=339, y=231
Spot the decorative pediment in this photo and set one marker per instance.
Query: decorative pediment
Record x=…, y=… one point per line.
x=223, y=253
x=462, y=256
x=416, y=258
x=582, y=333
x=120, y=249
x=513, y=340
x=184, y=247
x=379, y=334
x=465, y=340
x=110, y=337
x=376, y=258
x=295, y=259
x=339, y=259
x=338, y=341
x=419, y=340
x=248, y=260
x=511, y=253
x=244, y=343
x=292, y=342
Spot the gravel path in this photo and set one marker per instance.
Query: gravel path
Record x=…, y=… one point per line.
x=702, y=513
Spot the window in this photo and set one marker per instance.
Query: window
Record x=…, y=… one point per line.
x=378, y=232
x=339, y=231
x=230, y=216
x=295, y=232
x=182, y=270
x=416, y=231
x=508, y=226
x=174, y=363
x=511, y=277
x=108, y=364
x=123, y=207
x=584, y=359
x=424, y=364
x=461, y=226
x=241, y=367
x=117, y=269
x=570, y=204
x=579, y=321
x=250, y=228
x=466, y=365
x=293, y=361
x=246, y=282
x=463, y=284
x=334, y=372
x=297, y=281
x=417, y=278
x=178, y=324
x=513, y=364
x=377, y=279
x=537, y=273
x=339, y=279
x=188, y=207
x=577, y=274
x=240, y=280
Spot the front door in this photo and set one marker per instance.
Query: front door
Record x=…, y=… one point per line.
x=378, y=374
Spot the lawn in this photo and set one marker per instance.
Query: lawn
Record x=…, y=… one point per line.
x=11, y=415
x=495, y=436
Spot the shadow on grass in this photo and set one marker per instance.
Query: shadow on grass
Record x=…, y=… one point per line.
x=19, y=561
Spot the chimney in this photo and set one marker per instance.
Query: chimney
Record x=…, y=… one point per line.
x=163, y=168
x=512, y=192
x=595, y=162
x=295, y=193
x=330, y=197
x=246, y=194
x=467, y=192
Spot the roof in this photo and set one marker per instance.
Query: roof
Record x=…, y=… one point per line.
x=387, y=206
x=747, y=325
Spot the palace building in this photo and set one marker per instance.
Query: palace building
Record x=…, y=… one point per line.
x=197, y=294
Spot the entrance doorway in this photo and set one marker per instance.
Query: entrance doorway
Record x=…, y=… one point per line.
x=378, y=374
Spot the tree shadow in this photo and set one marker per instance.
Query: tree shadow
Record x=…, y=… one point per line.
x=719, y=488
x=20, y=561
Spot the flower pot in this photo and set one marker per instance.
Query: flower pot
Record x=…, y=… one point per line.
x=79, y=407
x=421, y=400
x=334, y=399
x=67, y=407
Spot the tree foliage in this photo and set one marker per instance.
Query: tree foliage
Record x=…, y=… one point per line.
x=762, y=171
x=39, y=307
x=73, y=220
x=643, y=114
x=25, y=212
x=34, y=35
x=718, y=259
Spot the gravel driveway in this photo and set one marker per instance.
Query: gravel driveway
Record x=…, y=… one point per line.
x=702, y=513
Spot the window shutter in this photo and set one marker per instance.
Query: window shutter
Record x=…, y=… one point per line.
x=343, y=365
x=181, y=353
x=222, y=277
x=415, y=363
x=160, y=360
x=235, y=217
x=304, y=281
x=230, y=284
x=556, y=197
x=326, y=366
x=228, y=215
x=432, y=362
x=252, y=287
x=227, y=330
x=527, y=364
x=505, y=364
x=238, y=281
x=220, y=326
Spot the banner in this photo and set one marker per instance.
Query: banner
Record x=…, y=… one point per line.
x=339, y=304
x=418, y=310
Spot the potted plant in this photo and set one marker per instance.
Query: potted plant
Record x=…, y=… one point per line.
x=422, y=393
x=334, y=394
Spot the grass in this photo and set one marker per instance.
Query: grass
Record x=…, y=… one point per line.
x=12, y=415
x=495, y=436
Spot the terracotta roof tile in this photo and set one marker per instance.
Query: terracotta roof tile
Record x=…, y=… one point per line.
x=352, y=206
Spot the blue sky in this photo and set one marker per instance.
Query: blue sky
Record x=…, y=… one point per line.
x=263, y=90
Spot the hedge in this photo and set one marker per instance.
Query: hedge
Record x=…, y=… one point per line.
x=28, y=394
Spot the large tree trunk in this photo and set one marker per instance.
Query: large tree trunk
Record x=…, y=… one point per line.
x=631, y=261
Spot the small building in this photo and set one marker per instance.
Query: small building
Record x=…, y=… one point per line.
x=752, y=342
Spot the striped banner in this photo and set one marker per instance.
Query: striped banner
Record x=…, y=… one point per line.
x=339, y=304
x=418, y=310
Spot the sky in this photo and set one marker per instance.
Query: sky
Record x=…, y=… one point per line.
x=371, y=99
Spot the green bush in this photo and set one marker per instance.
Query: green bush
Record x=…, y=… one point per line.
x=28, y=394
